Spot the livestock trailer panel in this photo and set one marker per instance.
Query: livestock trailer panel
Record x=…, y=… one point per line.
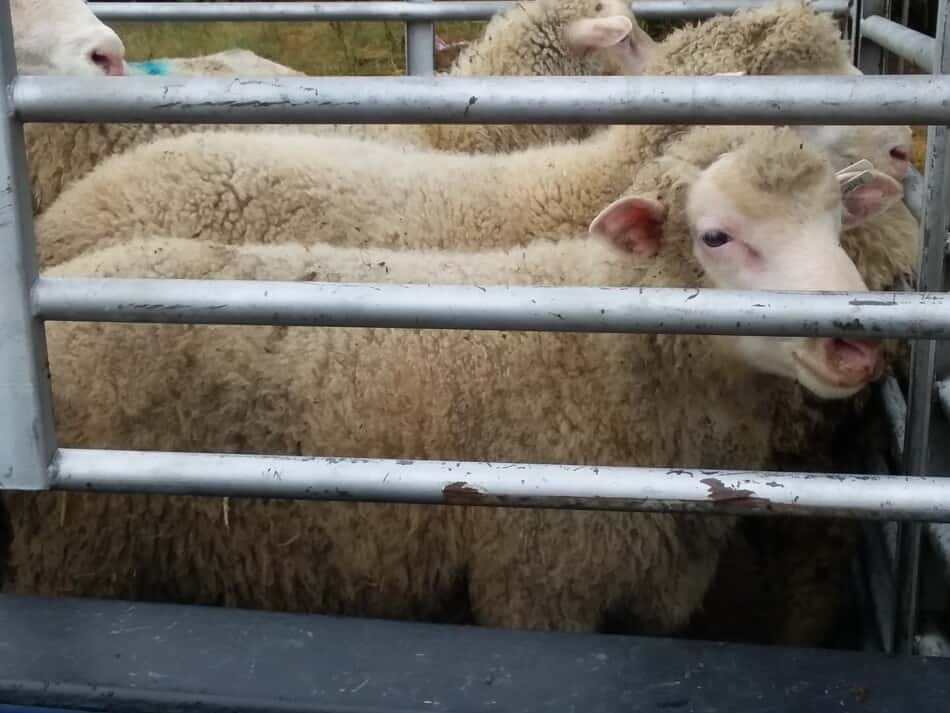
x=140, y=657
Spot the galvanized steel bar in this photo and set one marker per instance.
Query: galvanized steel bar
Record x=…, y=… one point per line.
x=583, y=487
x=27, y=440
x=895, y=411
x=930, y=276
x=557, y=309
x=489, y=100
x=902, y=41
x=914, y=191
x=398, y=11
x=420, y=45
x=870, y=58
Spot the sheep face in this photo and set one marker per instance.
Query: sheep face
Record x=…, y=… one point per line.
x=64, y=37
x=608, y=26
x=766, y=215
x=887, y=147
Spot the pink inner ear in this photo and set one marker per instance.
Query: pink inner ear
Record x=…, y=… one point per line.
x=632, y=225
x=870, y=199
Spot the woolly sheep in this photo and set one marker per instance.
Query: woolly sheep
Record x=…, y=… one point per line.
x=61, y=153
x=608, y=399
x=300, y=187
x=540, y=38
x=63, y=37
x=233, y=62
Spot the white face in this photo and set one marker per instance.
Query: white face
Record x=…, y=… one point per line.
x=64, y=37
x=765, y=216
x=792, y=246
x=887, y=147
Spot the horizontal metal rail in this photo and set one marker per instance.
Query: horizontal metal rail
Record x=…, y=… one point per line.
x=902, y=41
x=921, y=99
x=558, y=309
x=399, y=11
x=582, y=487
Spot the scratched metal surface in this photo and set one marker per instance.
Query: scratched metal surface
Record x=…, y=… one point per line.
x=140, y=658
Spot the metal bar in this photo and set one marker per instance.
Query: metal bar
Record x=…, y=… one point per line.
x=579, y=487
x=27, y=441
x=420, y=46
x=398, y=11
x=902, y=41
x=943, y=396
x=913, y=191
x=870, y=57
x=854, y=30
x=895, y=411
x=930, y=276
x=557, y=309
x=824, y=99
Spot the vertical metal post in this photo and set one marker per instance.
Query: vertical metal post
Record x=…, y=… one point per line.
x=933, y=222
x=420, y=47
x=868, y=57
x=27, y=440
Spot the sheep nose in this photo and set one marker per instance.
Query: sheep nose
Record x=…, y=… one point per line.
x=900, y=159
x=109, y=57
x=854, y=361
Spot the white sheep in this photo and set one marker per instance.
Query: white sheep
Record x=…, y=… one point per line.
x=539, y=38
x=275, y=187
x=658, y=400
x=233, y=62
x=61, y=153
x=63, y=37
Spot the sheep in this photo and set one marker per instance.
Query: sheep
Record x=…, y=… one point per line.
x=233, y=62
x=63, y=37
x=299, y=187
x=541, y=38
x=659, y=400
x=61, y=153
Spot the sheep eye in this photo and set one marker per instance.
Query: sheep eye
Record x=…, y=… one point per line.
x=715, y=238
x=598, y=7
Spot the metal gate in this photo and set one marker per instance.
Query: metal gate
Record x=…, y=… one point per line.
x=31, y=459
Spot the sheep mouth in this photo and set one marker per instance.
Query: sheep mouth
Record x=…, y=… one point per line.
x=834, y=384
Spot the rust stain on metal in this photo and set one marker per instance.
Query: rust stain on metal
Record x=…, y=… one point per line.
x=461, y=493
x=719, y=492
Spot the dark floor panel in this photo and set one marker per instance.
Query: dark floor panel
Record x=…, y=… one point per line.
x=144, y=657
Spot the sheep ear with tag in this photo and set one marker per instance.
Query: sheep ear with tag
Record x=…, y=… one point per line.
x=865, y=193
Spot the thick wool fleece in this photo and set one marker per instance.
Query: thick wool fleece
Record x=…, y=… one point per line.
x=265, y=187
x=61, y=153
x=527, y=40
x=782, y=40
x=584, y=398
x=235, y=62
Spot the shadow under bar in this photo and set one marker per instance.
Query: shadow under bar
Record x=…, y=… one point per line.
x=376, y=11
x=504, y=484
x=905, y=99
x=521, y=308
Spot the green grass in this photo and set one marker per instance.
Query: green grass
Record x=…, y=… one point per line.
x=316, y=48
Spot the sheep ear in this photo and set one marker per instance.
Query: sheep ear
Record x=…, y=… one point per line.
x=633, y=225
x=867, y=195
x=637, y=52
x=597, y=32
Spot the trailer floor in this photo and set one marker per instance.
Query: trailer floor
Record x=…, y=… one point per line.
x=131, y=657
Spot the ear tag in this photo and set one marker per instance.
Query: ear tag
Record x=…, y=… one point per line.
x=854, y=176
